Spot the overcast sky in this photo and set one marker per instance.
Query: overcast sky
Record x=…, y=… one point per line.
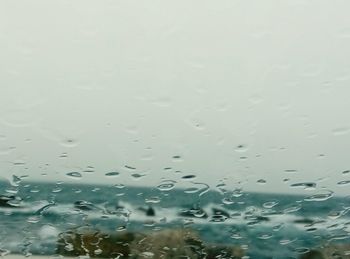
x=239, y=90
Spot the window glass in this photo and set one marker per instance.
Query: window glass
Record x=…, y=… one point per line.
x=175, y=129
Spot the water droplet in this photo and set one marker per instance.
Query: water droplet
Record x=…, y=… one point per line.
x=290, y=171
x=188, y=177
x=237, y=192
x=344, y=182
x=227, y=201
x=7, y=150
x=306, y=185
x=19, y=163
x=322, y=196
x=236, y=236
x=33, y=219
x=64, y=155
x=265, y=236
x=302, y=250
x=270, y=204
x=56, y=189
x=218, y=218
x=293, y=208
x=89, y=170
x=130, y=167
x=287, y=241
x=261, y=181
x=154, y=199
x=137, y=176
x=166, y=186
x=340, y=131
x=35, y=189
x=74, y=175
x=69, y=143
x=177, y=158
x=119, y=186
x=121, y=228
x=112, y=174
x=335, y=214
x=346, y=172
x=241, y=148
x=191, y=190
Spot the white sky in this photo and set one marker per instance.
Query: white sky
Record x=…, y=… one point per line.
x=138, y=82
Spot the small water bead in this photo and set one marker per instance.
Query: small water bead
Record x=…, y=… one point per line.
x=130, y=167
x=270, y=204
x=227, y=201
x=199, y=213
x=261, y=181
x=74, y=175
x=98, y=251
x=306, y=185
x=154, y=200
x=33, y=219
x=346, y=172
x=12, y=190
x=340, y=131
x=241, y=148
x=278, y=227
x=121, y=228
x=237, y=193
x=335, y=214
x=63, y=155
x=320, y=196
x=70, y=143
x=302, y=250
x=56, y=189
x=34, y=189
x=191, y=190
x=265, y=236
x=287, y=241
x=166, y=186
x=236, y=236
x=218, y=218
x=177, y=158
x=119, y=186
x=339, y=237
x=292, y=209
x=89, y=169
x=188, y=177
x=291, y=171
x=19, y=163
x=342, y=183
x=137, y=176
x=112, y=174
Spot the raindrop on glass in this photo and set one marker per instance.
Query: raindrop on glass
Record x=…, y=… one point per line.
x=112, y=174
x=74, y=175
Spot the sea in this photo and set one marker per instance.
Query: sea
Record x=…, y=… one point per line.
x=33, y=214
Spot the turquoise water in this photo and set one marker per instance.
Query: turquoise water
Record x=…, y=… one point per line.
x=266, y=225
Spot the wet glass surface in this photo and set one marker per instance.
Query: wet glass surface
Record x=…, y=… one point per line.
x=185, y=129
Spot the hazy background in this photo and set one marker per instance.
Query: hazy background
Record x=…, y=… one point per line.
x=237, y=91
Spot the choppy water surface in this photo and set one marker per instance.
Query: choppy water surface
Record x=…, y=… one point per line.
x=264, y=225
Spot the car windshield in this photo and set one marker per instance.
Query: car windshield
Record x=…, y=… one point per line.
x=175, y=129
